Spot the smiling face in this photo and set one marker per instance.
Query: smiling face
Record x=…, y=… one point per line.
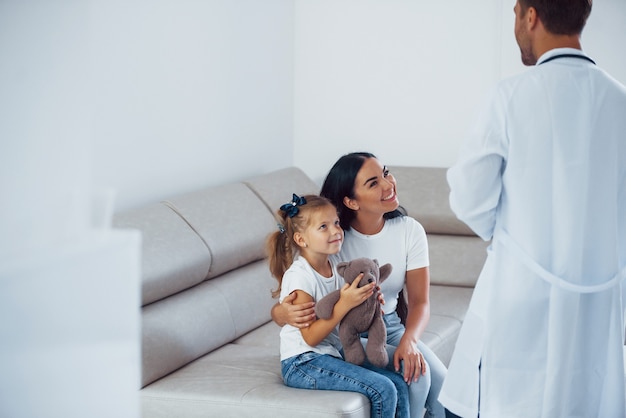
x=323, y=235
x=374, y=189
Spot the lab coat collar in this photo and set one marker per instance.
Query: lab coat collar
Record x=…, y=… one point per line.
x=560, y=51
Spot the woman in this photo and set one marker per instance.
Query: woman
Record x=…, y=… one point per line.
x=365, y=194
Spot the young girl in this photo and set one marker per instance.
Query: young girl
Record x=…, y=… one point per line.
x=300, y=258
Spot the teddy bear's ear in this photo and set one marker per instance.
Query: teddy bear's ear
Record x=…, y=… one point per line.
x=385, y=271
x=375, y=262
x=341, y=267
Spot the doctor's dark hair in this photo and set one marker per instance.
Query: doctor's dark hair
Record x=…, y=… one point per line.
x=560, y=17
x=340, y=182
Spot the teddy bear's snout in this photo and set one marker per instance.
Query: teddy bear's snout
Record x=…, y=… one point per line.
x=367, y=279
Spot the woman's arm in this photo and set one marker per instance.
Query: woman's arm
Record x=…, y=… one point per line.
x=297, y=315
x=418, y=301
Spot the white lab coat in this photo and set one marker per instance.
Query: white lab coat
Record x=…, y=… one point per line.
x=543, y=174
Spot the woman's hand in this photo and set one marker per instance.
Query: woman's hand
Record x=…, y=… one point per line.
x=381, y=299
x=299, y=316
x=414, y=362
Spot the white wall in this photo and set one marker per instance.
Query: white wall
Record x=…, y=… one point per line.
x=177, y=95
x=190, y=94
x=403, y=78
x=45, y=124
x=69, y=288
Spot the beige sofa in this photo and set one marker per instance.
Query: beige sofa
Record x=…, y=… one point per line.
x=209, y=348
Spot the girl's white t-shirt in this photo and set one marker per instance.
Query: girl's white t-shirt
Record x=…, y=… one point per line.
x=301, y=276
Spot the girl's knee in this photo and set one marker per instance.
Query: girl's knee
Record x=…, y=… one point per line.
x=387, y=388
x=383, y=398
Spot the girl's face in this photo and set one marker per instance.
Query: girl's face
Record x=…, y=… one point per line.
x=374, y=189
x=323, y=234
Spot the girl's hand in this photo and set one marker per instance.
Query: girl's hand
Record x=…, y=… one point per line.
x=414, y=362
x=352, y=295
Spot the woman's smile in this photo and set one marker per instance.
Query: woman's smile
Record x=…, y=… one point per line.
x=392, y=195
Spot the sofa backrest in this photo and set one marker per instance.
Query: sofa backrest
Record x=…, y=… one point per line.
x=205, y=281
x=230, y=220
x=423, y=192
x=174, y=258
x=456, y=254
x=276, y=188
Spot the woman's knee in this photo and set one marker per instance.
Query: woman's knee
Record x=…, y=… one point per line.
x=423, y=383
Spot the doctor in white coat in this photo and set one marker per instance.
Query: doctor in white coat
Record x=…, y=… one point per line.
x=543, y=175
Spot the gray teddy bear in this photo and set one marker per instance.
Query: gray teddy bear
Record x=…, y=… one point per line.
x=367, y=317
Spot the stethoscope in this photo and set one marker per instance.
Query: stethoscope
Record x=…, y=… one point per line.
x=582, y=57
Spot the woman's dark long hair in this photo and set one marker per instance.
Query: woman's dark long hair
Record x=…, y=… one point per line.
x=339, y=183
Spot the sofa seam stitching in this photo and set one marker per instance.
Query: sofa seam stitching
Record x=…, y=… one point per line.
x=174, y=209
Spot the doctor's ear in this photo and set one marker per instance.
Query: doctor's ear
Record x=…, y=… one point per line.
x=531, y=18
x=350, y=203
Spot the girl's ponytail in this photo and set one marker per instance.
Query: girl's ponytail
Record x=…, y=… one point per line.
x=280, y=250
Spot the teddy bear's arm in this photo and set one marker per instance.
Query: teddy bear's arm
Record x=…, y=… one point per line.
x=385, y=272
x=324, y=307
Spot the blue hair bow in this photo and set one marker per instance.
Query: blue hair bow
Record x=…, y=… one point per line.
x=291, y=208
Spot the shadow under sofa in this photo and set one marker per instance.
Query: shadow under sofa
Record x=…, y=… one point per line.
x=209, y=347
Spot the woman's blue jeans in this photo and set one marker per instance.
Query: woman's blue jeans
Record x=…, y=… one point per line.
x=386, y=390
x=424, y=392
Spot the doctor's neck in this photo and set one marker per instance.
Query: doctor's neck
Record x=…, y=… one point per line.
x=550, y=41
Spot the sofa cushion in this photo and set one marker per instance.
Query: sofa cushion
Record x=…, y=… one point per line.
x=440, y=335
x=456, y=260
x=267, y=335
x=424, y=193
x=448, y=305
x=173, y=258
x=185, y=326
x=245, y=381
x=231, y=220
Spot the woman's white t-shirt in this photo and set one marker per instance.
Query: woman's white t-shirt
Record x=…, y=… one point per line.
x=402, y=243
x=301, y=276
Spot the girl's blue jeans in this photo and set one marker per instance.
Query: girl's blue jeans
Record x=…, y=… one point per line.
x=386, y=389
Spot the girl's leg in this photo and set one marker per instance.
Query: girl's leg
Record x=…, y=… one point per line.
x=425, y=391
x=323, y=372
x=411, y=398
x=403, y=410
